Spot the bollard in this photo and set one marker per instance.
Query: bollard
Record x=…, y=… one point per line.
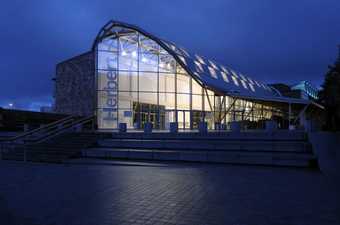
x=223, y=126
x=148, y=127
x=136, y=125
x=122, y=127
x=235, y=126
x=173, y=127
x=203, y=127
x=218, y=126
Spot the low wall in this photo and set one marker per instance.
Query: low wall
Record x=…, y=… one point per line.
x=326, y=146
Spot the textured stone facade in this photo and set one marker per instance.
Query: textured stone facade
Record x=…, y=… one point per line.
x=75, y=86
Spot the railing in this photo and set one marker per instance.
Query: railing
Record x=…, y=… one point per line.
x=75, y=125
x=70, y=123
x=41, y=129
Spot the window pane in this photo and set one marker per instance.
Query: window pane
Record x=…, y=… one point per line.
x=196, y=88
x=148, y=46
x=128, y=42
x=108, y=80
x=107, y=60
x=180, y=69
x=167, y=63
x=197, y=102
x=167, y=100
x=107, y=119
x=128, y=81
x=166, y=82
x=101, y=99
x=126, y=99
x=148, y=81
x=183, y=83
x=206, y=102
x=126, y=116
x=148, y=98
x=148, y=62
x=128, y=61
x=183, y=101
x=108, y=44
x=106, y=100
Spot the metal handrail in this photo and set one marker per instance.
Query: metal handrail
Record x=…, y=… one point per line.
x=39, y=129
x=49, y=134
x=84, y=120
x=74, y=123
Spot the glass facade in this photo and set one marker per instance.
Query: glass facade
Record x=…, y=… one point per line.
x=138, y=81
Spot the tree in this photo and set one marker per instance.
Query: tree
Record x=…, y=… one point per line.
x=329, y=96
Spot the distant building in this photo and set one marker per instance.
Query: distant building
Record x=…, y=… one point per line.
x=18, y=120
x=308, y=90
x=47, y=109
x=302, y=90
x=131, y=76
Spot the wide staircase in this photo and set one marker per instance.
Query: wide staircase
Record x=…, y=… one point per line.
x=280, y=148
x=74, y=137
x=54, y=142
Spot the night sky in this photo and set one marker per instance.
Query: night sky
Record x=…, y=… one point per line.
x=269, y=40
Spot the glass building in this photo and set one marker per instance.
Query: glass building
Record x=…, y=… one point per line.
x=140, y=78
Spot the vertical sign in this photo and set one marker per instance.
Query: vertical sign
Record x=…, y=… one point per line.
x=110, y=111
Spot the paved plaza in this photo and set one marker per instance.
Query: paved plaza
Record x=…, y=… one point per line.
x=116, y=192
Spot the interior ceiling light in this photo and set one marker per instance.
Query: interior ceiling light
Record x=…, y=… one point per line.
x=134, y=54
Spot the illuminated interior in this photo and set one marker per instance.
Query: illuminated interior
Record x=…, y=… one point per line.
x=139, y=81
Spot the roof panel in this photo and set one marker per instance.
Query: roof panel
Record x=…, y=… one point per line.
x=210, y=74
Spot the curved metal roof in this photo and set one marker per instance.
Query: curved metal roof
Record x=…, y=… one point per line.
x=210, y=74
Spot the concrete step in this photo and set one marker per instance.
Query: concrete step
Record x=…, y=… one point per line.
x=291, y=146
x=226, y=135
x=237, y=157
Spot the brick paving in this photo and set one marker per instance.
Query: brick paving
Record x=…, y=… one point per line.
x=162, y=193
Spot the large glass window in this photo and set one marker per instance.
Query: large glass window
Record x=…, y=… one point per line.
x=138, y=81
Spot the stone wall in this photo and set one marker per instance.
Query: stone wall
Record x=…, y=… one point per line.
x=75, y=86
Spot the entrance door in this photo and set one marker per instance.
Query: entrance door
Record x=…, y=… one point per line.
x=184, y=120
x=169, y=117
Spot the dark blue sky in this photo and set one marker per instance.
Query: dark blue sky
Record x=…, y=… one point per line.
x=272, y=41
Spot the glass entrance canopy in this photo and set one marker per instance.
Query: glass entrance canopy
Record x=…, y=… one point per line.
x=141, y=78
